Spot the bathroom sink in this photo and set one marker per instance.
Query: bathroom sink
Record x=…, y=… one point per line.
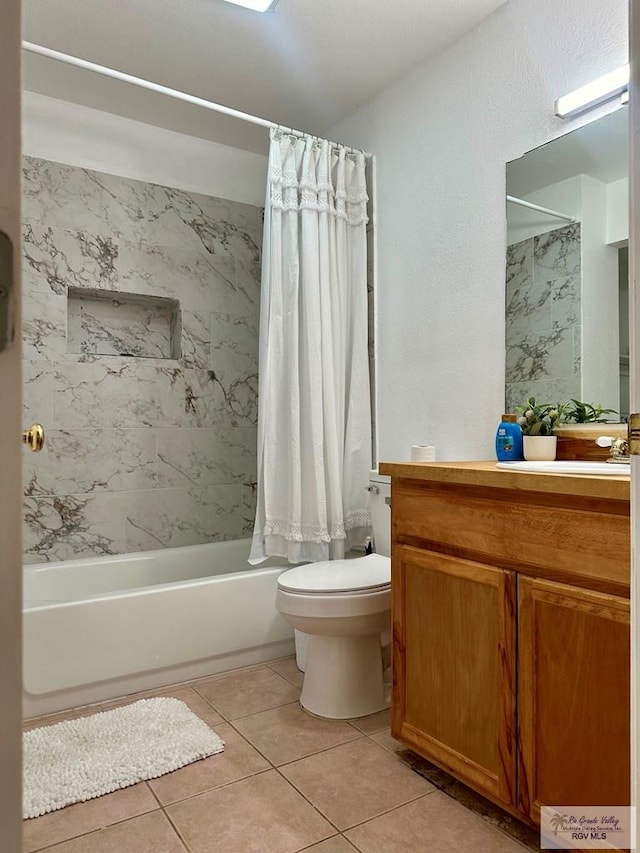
x=569, y=466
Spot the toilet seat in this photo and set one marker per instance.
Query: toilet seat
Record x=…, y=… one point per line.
x=357, y=576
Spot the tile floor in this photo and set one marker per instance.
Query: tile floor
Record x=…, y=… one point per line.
x=286, y=782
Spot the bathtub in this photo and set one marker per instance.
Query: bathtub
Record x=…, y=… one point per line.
x=105, y=627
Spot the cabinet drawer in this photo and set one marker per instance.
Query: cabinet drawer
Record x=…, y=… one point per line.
x=572, y=539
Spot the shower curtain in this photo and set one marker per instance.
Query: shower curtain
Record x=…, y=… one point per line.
x=314, y=415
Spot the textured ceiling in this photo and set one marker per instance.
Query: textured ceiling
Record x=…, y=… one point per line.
x=307, y=64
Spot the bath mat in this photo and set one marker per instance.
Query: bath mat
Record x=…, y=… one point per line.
x=78, y=760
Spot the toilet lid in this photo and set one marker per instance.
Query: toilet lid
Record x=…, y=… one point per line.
x=361, y=574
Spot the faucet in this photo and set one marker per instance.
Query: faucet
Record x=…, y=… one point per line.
x=619, y=448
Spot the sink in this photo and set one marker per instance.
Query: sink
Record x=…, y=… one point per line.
x=570, y=466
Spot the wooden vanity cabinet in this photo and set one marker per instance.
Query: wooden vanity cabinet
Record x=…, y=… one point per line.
x=574, y=694
x=511, y=636
x=454, y=638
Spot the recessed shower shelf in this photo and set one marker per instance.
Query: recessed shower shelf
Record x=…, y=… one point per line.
x=105, y=322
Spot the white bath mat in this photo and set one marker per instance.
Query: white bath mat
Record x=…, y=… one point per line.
x=78, y=760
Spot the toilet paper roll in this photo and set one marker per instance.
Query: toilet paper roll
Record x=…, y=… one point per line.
x=423, y=453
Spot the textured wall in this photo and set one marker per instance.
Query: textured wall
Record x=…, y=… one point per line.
x=142, y=452
x=442, y=136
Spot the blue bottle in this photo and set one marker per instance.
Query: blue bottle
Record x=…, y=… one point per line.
x=509, y=439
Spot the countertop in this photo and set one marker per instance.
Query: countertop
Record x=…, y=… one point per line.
x=484, y=473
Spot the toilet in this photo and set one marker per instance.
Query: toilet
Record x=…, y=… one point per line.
x=345, y=608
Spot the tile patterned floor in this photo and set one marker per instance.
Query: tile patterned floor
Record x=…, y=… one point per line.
x=286, y=782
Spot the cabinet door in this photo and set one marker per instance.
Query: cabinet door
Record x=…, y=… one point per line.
x=573, y=697
x=454, y=666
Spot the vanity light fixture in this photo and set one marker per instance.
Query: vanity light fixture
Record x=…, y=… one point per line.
x=597, y=92
x=255, y=5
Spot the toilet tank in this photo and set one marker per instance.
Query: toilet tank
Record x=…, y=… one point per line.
x=380, y=486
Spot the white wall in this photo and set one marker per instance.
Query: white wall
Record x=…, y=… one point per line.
x=618, y=212
x=600, y=301
x=80, y=136
x=443, y=135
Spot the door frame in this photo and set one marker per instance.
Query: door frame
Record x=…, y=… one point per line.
x=634, y=390
x=10, y=450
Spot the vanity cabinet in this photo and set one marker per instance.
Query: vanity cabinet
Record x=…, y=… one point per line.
x=454, y=636
x=573, y=689
x=510, y=608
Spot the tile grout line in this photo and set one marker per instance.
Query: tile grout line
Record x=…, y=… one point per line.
x=305, y=797
x=270, y=666
x=95, y=829
x=373, y=817
x=361, y=823
x=319, y=751
x=175, y=828
x=167, y=816
x=357, y=736
x=388, y=811
x=214, y=788
x=330, y=838
x=231, y=720
x=272, y=766
x=164, y=808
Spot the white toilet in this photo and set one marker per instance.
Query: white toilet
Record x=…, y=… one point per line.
x=345, y=607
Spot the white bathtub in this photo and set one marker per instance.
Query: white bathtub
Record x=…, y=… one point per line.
x=101, y=628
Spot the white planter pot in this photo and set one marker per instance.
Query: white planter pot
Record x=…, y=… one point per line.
x=539, y=448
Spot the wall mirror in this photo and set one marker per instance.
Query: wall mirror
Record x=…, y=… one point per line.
x=567, y=326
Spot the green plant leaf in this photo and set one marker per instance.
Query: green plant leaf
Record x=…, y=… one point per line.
x=581, y=412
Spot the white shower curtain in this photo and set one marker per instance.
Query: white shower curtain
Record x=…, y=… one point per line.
x=314, y=415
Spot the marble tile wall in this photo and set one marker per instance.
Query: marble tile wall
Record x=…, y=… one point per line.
x=543, y=317
x=143, y=450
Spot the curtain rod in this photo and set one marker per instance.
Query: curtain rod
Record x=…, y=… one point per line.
x=540, y=209
x=165, y=90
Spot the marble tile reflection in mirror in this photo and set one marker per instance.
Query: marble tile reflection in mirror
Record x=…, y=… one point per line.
x=566, y=278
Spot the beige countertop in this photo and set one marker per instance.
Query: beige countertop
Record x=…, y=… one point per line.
x=485, y=473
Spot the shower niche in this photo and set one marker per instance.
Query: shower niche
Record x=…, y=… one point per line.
x=104, y=322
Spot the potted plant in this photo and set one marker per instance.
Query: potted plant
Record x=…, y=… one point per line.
x=537, y=421
x=582, y=425
x=578, y=412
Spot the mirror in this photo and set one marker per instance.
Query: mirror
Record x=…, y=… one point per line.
x=567, y=326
